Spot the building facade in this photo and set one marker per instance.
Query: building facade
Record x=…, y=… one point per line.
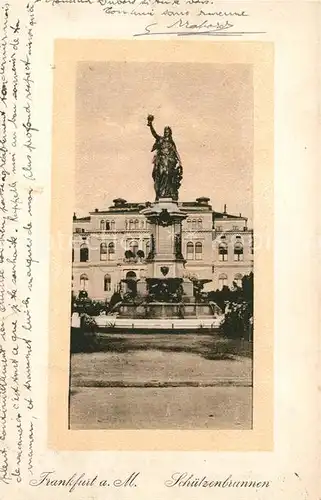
x=111, y=245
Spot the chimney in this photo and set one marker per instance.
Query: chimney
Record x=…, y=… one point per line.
x=96, y=209
x=225, y=208
x=74, y=217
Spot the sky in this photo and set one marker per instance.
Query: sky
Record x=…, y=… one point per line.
x=209, y=108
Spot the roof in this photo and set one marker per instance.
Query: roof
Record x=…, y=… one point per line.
x=225, y=215
x=121, y=206
x=82, y=219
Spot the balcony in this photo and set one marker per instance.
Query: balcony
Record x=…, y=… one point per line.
x=135, y=260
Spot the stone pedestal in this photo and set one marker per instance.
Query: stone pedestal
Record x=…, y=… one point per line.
x=165, y=259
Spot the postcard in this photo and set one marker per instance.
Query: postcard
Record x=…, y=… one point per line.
x=158, y=248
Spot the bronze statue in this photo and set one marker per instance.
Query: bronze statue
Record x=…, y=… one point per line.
x=178, y=246
x=167, y=171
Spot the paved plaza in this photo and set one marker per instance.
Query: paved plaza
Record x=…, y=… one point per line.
x=161, y=408
x=162, y=381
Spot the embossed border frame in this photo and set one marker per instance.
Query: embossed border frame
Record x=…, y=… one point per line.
x=67, y=53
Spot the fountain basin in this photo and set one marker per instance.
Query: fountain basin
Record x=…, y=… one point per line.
x=163, y=310
x=141, y=325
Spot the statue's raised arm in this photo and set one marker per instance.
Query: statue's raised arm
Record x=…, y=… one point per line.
x=150, y=120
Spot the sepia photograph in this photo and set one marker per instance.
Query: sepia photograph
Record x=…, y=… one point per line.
x=161, y=315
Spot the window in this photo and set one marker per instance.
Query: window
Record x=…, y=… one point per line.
x=147, y=248
x=238, y=251
x=218, y=228
x=222, y=251
x=134, y=247
x=136, y=224
x=78, y=230
x=142, y=224
x=131, y=224
x=198, y=251
x=194, y=224
x=111, y=251
x=103, y=251
x=112, y=225
x=189, y=222
x=200, y=223
x=72, y=255
x=222, y=280
x=107, y=225
x=235, y=228
x=83, y=282
x=190, y=251
x=102, y=225
x=131, y=275
x=84, y=253
x=107, y=283
x=238, y=280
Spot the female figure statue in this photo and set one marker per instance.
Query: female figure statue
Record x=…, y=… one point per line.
x=167, y=170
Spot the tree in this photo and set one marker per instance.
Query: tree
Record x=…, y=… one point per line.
x=247, y=287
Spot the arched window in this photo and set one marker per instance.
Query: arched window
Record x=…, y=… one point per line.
x=238, y=251
x=131, y=224
x=222, y=280
x=198, y=251
x=83, y=282
x=112, y=225
x=103, y=251
x=194, y=224
x=134, y=247
x=189, y=224
x=238, y=280
x=131, y=275
x=190, y=251
x=111, y=251
x=107, y=283
x=107, y=225
x=222, y=251
x=200, y=223
x=84, y=253
x=72, y=255
x=142, y=224
x=136, y=224
x=102, y=225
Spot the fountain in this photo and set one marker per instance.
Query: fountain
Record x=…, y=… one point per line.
x=166, y=293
